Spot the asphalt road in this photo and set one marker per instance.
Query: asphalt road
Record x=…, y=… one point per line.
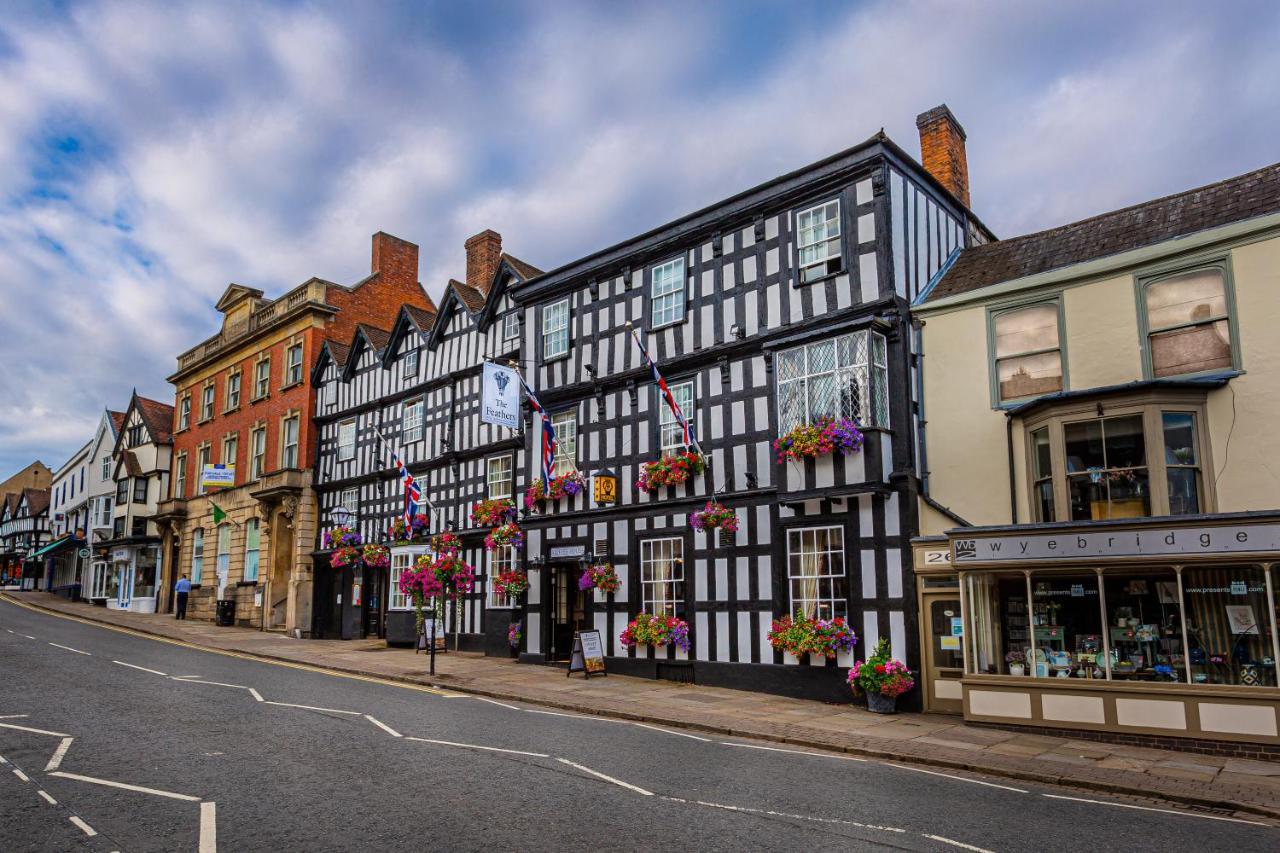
x=223, y=755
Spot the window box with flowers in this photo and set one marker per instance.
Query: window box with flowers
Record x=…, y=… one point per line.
x=564, y=486
x=656, y=630
x=823, y=437
x=603, y=578
x=493, y=513
x=799, y=635
x=512, y=584
x=883, y=678
x=415, y=531
x=506, y=534
x=670, y=470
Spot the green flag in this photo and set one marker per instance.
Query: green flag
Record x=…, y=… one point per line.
x=218, y=515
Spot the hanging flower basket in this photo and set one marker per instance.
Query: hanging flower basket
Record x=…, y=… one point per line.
x=656, y=631
x=512, y=584
x=564, y=486
x=602, y=577
x=493, y=513
x=800, y=635
x=670, y=470
x=376, y=556
x=824, y=437
x=345, y=544
x=414, y=531
x=882, y=678
x=715, y=516
x=446, y=543
x=507, y=534
x=452, y=574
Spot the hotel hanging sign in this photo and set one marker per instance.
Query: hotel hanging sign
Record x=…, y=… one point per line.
x=1094, y=544
x=500, y=396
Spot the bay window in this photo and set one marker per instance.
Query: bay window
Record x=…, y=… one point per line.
x=842, y=377
x=662, y=576
x=401, y=562
x=1135, y=458
x=816, y=572
x=501, y=559
x=1187, y=321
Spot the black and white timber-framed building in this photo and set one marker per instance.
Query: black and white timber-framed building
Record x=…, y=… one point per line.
x=783, y=303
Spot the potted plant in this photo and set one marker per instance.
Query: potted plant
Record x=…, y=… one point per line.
x=1017, y=662
x=515, y=633
x=493, y=513
x=799, y=636
x=823, y=437
x=715, y=515
x=655, y=630
x=670, y=470
x=564, y=486
x=414, y=531
x=602, y=577
x=506, y=534
x=345, y=544
x=883, y=678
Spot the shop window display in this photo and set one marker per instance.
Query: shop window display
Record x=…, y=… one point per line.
x=1066, y=627
x=1144, y=627
x=1229, y=626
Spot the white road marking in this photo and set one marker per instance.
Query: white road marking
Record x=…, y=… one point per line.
x=208, y=827
x=55, y=761
x=214, y=683
x=748, y=810
x=955, y=843
x=10, y=630
x=34, y=731
x=142, y=668
x=28, y=636
x=256, y=695
x=68, y=648
x=383, y=726
x=477, y=746
x=84, y=827
x=125, y=786
x=957, y=778
x=670, y=732
x=184, y=677
x=573, y=716
x=48, y=799
x=312, y=708
x=12, y=716
x=496, y=702
x=1150, y=809
x=21, y=775
x=792, y=751
x=3, y=760
x=600, y=775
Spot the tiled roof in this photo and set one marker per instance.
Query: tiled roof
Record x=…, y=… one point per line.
x=37, y=500
x=377, y=337
x=1233, y=200
x=472, y=298
x=526, y=271
x=338, y=352
x=424, y=320
x=159, y=419
x=11, y=501
x=117, y=420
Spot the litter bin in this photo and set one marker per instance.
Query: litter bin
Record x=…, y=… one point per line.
x=225, y=614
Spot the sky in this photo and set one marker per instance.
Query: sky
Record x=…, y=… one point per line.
x=153, y=153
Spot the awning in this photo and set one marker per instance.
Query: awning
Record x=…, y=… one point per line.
x=55, y=545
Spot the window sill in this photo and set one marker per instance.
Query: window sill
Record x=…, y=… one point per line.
x=671, y=324
x=800, y=282
x=553, y=359
x=203, y=421
x=290, y=385
x=266, y=396
x=229, y=411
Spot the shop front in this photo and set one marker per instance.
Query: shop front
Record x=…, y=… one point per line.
x=1156, y=627
x=134, y=575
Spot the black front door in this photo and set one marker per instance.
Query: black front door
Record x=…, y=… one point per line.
x=373, y=605
x=568, y=610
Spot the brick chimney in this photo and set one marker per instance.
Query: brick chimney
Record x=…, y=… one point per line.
x=395, y=259
x=942, y=150
x=484, y=253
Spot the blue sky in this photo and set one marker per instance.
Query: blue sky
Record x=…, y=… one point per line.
x=151, y=153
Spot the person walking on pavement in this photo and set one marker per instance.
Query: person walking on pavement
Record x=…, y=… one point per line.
x=183, y=588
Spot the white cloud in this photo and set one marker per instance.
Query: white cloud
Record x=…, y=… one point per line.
x=264, y=145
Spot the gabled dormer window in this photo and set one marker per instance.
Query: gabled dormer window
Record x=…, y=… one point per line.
x=511, y=326
x=411, y=364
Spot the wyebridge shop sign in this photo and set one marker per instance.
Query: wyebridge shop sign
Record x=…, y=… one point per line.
x=1104, y=543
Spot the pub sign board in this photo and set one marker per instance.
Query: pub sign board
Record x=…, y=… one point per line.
x=588, y=654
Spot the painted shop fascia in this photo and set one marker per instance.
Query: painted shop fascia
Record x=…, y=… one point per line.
x=745, y=304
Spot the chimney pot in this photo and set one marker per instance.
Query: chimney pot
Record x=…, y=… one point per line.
x=942, y=150
x=484, y=253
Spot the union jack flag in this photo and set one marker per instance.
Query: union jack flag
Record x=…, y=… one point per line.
x=412, y=492
x=549, y=443
x=690, y=441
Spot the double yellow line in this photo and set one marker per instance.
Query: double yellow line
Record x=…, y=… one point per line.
x=306, y=667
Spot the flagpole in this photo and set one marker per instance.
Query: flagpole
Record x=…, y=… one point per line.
x=573, y=463
x=425, y=497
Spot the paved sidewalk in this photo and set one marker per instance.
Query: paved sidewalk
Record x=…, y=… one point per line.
x=1231, y=784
